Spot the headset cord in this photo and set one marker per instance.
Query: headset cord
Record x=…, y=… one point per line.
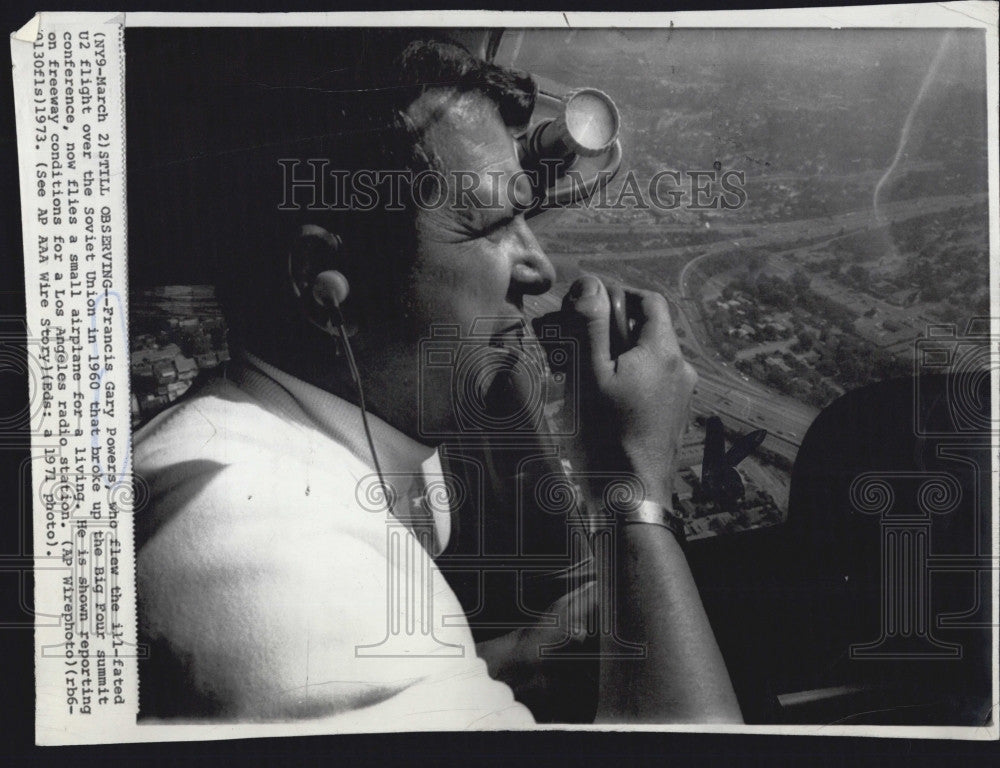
x=338, y=318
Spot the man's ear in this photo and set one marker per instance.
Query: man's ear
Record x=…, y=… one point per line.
x=314, y=279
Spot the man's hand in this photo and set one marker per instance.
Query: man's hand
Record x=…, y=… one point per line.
x=636, y=406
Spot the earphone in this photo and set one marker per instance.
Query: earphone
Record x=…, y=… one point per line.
x=329, y=289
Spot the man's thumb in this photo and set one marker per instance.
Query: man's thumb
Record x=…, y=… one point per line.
x=588, y=301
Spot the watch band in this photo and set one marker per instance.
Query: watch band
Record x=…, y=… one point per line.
x=651, y=513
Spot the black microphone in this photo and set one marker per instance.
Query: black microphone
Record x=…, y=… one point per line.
x=626, y=312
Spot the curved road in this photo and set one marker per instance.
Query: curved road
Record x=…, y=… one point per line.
x=745, y=404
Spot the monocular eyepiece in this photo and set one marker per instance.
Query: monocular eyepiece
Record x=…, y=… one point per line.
x=587, y=127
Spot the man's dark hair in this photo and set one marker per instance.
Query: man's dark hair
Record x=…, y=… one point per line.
x=221, y=107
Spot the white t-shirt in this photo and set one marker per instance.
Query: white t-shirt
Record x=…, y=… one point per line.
x=278, y=583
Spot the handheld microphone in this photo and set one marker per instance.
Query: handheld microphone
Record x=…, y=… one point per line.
x=626, y=312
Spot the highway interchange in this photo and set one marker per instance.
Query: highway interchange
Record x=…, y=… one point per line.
x=743, y=404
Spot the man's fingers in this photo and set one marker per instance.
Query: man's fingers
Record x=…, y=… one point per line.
x=588, y=301
x=656, y=331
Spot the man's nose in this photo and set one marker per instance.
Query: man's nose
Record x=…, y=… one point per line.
x=531, y=272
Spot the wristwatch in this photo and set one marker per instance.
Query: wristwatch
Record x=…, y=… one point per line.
x=651, y=513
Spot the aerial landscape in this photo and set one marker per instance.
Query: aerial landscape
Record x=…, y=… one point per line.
x=865, y=219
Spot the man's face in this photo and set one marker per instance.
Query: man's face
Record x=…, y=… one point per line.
x=476, y=257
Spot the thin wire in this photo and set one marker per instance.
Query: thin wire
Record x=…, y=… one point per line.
x=339, y=320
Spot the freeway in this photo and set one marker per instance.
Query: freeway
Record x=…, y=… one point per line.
x=830, y=227
x=743, y=404
x=743, y=411
x=770, y=233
